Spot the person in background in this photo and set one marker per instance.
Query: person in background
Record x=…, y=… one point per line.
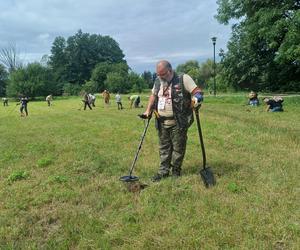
x=92, y=99
x=5, y=101
x=49, y=100
x=274, y=104
x=119, y=101
x=173, y=99
x=106, y=96
x=134, y=100
x=23, y=102
x=86, y=101
x=253, y=99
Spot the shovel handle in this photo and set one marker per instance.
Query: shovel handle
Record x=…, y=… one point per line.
x=200, y=137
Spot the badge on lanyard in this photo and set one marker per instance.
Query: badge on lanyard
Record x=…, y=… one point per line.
x=161, y=103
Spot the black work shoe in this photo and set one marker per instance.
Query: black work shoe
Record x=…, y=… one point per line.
x=158, y=177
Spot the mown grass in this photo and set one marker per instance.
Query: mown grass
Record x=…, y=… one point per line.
x=59, y=187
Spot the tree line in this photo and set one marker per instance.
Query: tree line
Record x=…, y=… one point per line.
x=264, y=49
x=263, y=54
x=82, y=62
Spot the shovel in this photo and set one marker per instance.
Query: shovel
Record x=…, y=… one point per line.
x=130, y=177
x=206, y=173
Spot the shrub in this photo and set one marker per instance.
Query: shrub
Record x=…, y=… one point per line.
x=18, y=175
x=44, y=162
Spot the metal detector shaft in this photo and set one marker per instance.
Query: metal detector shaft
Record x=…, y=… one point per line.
x=140, y=146
x=13, y=109
x=201, y=138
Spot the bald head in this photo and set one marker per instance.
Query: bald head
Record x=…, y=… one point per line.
x=164, y=64
x=164, y=70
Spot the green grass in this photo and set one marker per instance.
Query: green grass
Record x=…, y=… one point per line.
x=59, y=187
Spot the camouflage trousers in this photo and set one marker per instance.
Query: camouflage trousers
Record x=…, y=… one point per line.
x=172, y=145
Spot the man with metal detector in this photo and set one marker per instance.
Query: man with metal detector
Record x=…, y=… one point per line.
x=173, y=97
x=23, y=102
x=86, y=101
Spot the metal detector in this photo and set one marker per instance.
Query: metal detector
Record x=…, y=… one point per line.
x=13, y=109
x=130, y=177
x=81, y=106
x=206, y=172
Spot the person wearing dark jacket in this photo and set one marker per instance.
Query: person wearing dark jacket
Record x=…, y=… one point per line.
x=23, y=102
x=86, y=101
x=274, y=104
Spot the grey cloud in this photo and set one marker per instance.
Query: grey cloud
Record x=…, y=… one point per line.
x=146, y=30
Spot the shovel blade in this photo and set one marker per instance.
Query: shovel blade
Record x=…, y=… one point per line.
x=208, y=177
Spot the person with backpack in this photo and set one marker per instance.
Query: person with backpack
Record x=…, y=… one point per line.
x=173, y=98
x=274, y=104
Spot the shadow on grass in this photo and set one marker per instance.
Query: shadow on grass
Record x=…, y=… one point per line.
x=219, y=168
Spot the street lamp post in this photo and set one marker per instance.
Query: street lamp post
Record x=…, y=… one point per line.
x=214, y=39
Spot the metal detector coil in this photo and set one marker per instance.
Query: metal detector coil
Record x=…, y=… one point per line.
x=129, y=178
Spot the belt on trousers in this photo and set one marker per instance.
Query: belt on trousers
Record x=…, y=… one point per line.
x=164, y=118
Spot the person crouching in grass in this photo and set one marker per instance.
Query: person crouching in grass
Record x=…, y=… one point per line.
x=274, y=104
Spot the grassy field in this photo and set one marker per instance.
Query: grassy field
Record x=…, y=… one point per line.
x=59, y=187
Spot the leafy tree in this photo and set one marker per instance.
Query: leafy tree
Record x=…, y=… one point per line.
x=137, y=83
x=191, y=68
x=203, y=74
x=207, y=70
x=3, y=80
x=71, y=89
x=74, y=59
x=187, y=67
x=148, y=78
x=58, y=59
x=90, y=87
x=116, y=82
x=32, y=80
x=264, y=50
x=100, y=72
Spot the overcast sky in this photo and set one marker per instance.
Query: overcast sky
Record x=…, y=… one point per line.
x=146, y=30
